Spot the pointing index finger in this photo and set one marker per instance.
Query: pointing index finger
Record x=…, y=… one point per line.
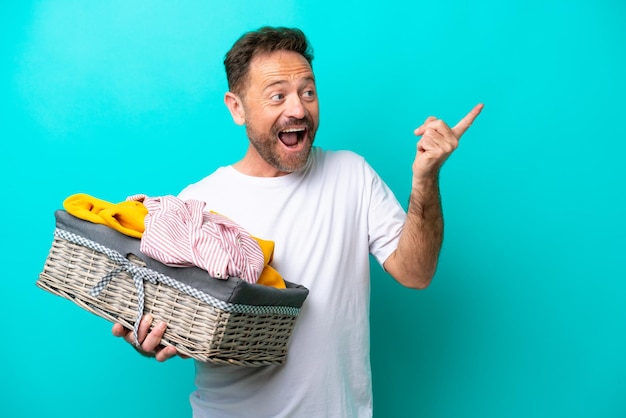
x=467, y=120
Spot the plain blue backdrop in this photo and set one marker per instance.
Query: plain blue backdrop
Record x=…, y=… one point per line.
x=526, y=315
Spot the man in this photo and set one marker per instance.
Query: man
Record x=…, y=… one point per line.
x=326, y=211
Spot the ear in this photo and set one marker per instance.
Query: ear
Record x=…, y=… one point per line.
x=235, y=106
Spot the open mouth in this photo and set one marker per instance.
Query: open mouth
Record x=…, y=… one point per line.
x=292, y=136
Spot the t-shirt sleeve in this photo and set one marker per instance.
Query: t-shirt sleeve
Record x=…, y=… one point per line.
x=385, y=218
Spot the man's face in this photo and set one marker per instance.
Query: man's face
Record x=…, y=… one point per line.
x=281, y=109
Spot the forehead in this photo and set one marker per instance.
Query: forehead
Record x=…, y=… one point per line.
x=279, y=66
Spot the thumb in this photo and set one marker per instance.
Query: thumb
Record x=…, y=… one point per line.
x=420, y=131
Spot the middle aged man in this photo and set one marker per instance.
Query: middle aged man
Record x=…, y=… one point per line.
x=327, y=211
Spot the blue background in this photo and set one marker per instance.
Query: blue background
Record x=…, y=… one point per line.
x=526, y=314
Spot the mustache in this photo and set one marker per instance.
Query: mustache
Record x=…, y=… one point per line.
x=294, y=122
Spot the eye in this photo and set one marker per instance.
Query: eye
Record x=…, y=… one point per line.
x=309, y=94
x=277, y=97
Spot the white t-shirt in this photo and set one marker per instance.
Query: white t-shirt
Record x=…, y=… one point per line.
x=325, y=220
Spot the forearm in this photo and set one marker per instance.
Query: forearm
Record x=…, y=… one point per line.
x=414, y=262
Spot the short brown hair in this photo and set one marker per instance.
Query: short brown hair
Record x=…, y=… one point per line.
x=264, y=40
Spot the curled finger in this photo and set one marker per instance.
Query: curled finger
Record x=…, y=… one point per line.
x=118, y=330
x=153, y=339
x=144, y=328
x=165, y=353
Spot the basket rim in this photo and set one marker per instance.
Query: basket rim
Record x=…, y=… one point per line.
x=232, y=290
x=156, y=277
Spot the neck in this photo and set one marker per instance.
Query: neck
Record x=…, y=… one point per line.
x=252, y=164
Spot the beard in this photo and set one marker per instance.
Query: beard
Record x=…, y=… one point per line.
x=269, y=145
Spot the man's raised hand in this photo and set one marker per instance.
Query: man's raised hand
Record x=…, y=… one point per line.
x=438, y=141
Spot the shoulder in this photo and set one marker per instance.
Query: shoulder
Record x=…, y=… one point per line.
x=199, y=188
x=344, y=163
x=339, y=160
x=338, y=155
x=343, y=168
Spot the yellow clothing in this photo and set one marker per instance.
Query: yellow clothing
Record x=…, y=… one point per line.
x=128, y=218
x=269, y=276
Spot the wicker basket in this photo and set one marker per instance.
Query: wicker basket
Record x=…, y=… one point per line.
x=122, y=289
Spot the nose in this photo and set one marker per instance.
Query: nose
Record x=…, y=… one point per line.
x=294, y=108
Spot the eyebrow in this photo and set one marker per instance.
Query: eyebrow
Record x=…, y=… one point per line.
x=307, y=79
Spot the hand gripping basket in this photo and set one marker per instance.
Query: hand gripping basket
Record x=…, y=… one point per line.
x=220, y=321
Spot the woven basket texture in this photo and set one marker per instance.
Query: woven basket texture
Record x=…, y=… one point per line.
x=197, y=329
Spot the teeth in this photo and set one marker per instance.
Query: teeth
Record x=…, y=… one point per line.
x=294, y=130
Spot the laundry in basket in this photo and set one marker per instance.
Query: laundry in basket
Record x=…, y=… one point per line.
x=220, y=321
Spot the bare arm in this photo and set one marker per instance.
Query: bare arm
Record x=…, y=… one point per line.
x=414, y=262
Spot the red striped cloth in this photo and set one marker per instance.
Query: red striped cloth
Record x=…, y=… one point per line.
x=180, y=233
